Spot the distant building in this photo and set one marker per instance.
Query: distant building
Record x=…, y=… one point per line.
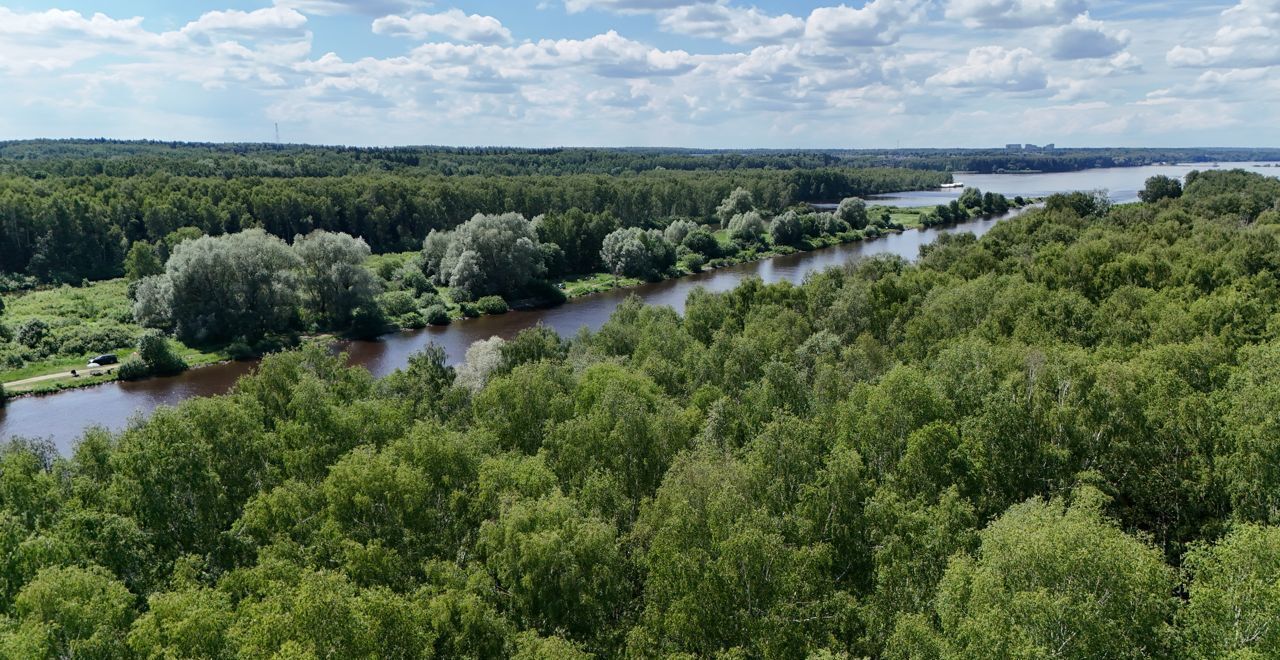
x=1049, y=147
x=1030, y=147
x=1013, y=147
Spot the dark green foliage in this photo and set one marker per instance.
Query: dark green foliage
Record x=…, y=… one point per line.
x=1057, y=439
x=1160, y=187
x=492, y=305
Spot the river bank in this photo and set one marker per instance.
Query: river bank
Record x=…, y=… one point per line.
x=64, y=417
x=103, y=308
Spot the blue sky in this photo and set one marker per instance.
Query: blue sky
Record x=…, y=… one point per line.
x=703, y=73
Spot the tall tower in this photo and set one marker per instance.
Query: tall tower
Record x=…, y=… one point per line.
x=277, y=132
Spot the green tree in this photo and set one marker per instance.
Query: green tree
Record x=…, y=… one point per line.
x=853, y=212
x=74, y=612
x=738, y=202
x=487, y=255
x=334, y=280
x=556, y=568
x=747, y=228
x=142, y=261
x=1160, y=187
x=231, y=286
x=1052, y=578
x=634, y=252
x=786, y=229
x=1233, y=599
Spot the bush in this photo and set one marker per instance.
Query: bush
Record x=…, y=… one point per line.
x=31, y=332
x=693, y=261
x=436, y=315
x=238, y=350
x=544, y=293
x=368, y=321
x=469, y=310
x=702, y=242
x=158, y=354
x=93, y=338
x=11, y=359
x=397, y=303
x=133, y=368
x=492, y=305
x=412, y=321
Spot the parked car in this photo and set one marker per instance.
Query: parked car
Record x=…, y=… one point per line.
x=104, y=359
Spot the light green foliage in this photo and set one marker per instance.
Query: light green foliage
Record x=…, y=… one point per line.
x=334, y=280
x=71, y=612
x=786, y=229
x=853, y=212
x=489, y=254
x=634, y=252
x=1052, y=578
x=747, y=228
x=678, y=230
x=1234, y=596
x=236, y=285
x=558, y=569
x=1053, y=441
x=142, y=261
x=738, y=202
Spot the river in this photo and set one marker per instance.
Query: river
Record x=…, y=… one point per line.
x=64, y=416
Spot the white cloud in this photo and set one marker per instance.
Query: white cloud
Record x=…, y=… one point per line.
x=366, y=7
x=626, y=6
x=994, y=67
x=1085, y=38
x=273, y=19
x=1248, y=36
x=452, y=24
x=1014, y=13
x=878, y=23
x=732, y=24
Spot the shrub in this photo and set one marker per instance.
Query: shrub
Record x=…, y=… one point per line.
x=702, y=242
x=368, y=321
x=413, y=320
x=133, y=368
x=238, y=350
x=158, y=354
x=11, y=359
x=31, y=332
x=693, y=261
x=469, y=310
x=436, y=315
x=91, y=338
x=397, y=303
x=492, y=305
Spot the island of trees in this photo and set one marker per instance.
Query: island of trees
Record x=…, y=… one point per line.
x=1056, y=441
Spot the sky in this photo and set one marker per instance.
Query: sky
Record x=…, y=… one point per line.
x=684, y=73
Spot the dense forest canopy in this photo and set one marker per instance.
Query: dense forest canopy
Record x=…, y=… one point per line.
x=43, y=158
x=65, y=229
x=1058, y=440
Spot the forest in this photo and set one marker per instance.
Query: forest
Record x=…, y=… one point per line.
x=69, y=229
x=1058, y=440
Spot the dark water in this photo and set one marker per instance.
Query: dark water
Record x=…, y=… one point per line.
x=64, y=416
x=1121, y=183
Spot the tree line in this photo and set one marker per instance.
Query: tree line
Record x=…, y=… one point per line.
x=74, y=228
x=1053, y=440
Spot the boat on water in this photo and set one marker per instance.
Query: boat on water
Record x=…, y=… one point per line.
x=952, y=186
